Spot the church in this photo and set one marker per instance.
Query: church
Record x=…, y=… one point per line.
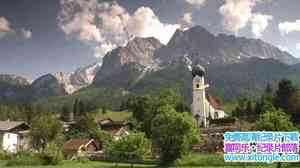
x=204, y=106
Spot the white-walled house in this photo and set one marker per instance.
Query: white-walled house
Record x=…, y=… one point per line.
x=14, y=135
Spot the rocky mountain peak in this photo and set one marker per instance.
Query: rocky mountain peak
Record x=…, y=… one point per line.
x=138, y=51
x=48, y=85
x=14, y=80
x=208, y=49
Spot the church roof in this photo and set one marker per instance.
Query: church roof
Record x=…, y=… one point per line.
x=214, y=102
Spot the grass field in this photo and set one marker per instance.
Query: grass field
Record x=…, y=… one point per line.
x=193, y=161
x=116, y=116
x=96, y=164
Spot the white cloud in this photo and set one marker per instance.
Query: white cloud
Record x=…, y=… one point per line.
x=187, y=19
x=298, y=46
x=6, y=28
x=26, y=34
x=237, y=14
x=260, y=23
x=288, y=27
x=103, y=49
x=144, y=23
x=5, y=25
x=108, y=25
x=196, y=3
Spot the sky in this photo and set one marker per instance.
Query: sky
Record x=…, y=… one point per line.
x=47, y=36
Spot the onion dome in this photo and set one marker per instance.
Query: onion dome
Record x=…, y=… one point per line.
x=198, y=70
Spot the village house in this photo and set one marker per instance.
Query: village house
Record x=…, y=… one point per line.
x=116, y=129
x=81, y=147
x=15, y=135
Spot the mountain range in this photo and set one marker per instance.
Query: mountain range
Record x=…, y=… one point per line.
x=236, y=66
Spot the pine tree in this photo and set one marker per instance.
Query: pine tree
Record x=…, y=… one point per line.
x=75, y=108
x=283, y=94
x=81, y=108
x=65, y=114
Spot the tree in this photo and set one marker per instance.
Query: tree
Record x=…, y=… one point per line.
x=44, y=130
x=104, y=110
x=86, y=123
x=275, y=120
x=145, y=108
x=173, y=133
x=139, y=105
x=81, y=108
x=66, y=114
x=283, y=94
x=269, y=91
x=243, y=109
x=76, y=108
x=133, y=147
x=294, y=102
x=262, y=106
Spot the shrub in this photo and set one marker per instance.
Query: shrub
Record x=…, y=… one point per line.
x=51, y=155
x=223, y=121
x=4, y=155
x=24, y=158
x=134, y=147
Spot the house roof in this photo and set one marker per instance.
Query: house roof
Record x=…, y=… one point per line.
x=75, y=144
x=10, y=125
x=102, y=121
x=114, y=131
x=214, y=102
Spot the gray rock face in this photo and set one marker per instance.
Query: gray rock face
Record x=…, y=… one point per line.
x=78, y=79
x=14, y=80
x=139, y=51
x=193, y=46
x=208, y=49
x=12, y=88
x=83, y=77
x=46, y=86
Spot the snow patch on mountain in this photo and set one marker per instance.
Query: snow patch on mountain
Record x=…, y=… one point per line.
x=78, y=79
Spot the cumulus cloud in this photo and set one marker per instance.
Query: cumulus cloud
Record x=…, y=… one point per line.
x=107, y=25
x=6, y=28
x=238, y=14
x=144, y=23
x=298, y=46
x=26, y=34
x=187, y=19
x=196, y=3
x=5, y=25
x=259, y=23
x=289, y=27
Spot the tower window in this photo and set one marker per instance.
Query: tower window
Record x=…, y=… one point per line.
x=197, y=86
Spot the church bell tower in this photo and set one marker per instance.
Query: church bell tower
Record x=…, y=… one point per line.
x=199, y=100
